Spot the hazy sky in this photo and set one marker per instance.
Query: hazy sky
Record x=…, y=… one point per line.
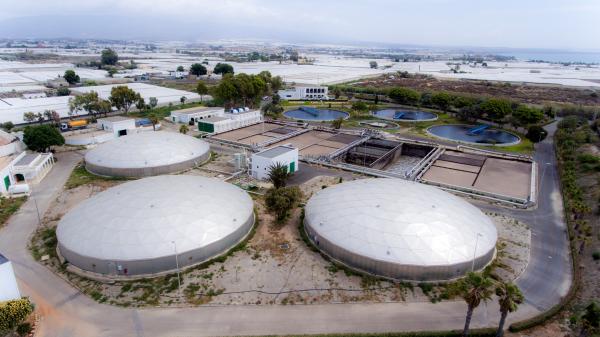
x=568, y=24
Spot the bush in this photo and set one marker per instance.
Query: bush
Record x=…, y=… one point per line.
x=536, y=133
x=596, y=256
x=280, y=201
x=359, y=106
x=24, y=328
x=13, y=313
x=404, y=95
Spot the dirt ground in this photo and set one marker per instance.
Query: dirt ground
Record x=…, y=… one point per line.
x=274, y=267
x=521, y=93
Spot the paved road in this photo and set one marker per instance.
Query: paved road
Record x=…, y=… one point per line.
x=67, y=312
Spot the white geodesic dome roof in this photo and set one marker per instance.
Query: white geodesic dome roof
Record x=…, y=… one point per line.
x=147, y=149
x=401, y=222
x=141, y=219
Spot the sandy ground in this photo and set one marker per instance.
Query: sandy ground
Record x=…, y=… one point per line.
x=275, y=266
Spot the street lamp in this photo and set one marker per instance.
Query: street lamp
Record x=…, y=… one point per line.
x=177, y=264
x=475, y=251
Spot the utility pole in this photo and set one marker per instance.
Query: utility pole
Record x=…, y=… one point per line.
x=177, y=265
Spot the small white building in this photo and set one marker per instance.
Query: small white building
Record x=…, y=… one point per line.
x=261, y=162
x=299, y=93
x=118, y=125
x=9, y=290
x=192, y=115
x=235, y=119
x=32, y=167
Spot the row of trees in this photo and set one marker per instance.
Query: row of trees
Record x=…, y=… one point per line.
x=121, y=97
x=468, y=108
x=245, y=89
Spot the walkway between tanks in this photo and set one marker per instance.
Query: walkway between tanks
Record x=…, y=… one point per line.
x=67, y=312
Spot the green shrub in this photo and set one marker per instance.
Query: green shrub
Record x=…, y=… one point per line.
x=13, y=313
x=596, y=256
x=24, y=328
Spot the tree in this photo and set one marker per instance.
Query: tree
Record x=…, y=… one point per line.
x=198, y=69
x=496, y=108
x=272, y=110
x=140, y=104
x=276, y=83
x=474, y=288
x=182, y=99
x=336, y=92
x=40, y=138
x=404, y=95
x=280, y=201
x=359, y=106
x=276, y=99
x=526, y=115
x=278, y=175
x=180, y=69
x=87, y=102
x=104, y=107
x=71, y=77
x=40, y=117
x=53, y=116
x=536, y=133
x=154, y=120
x=223, y=68
x=509, y=298
x=153, y=101
x=337, y=123
x=201, y=89
x=63, y=91
x=184, y=129
x=29, y=117
x=123, y=98
x=442, y=100
x=109, y=57
x=373, y=65
x=7, y=126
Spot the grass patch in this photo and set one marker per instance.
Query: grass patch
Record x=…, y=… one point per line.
x=8, y=207
x=80, y=176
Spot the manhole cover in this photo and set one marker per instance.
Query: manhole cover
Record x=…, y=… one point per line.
x=284, y=246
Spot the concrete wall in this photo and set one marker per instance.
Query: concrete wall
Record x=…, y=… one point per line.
x=394, y=270
x=146, y=171
x=160, y=264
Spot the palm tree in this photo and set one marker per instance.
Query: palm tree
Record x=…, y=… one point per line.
x=184, y=129
x=474, y=288
x=154, y=120
x=509, y=298
x=278, y=174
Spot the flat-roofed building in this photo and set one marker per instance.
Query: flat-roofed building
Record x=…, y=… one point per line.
x=311, y=92
x=118, y=125
x=261, y=162
x=192, y=115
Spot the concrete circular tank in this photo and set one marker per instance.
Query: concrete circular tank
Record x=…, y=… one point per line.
x=400, y=229
x=147, y=154
x=149, y=225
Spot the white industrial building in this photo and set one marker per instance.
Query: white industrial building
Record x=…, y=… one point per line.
x=192, y=115
x=12, y=109
x=261, y=162
x=147, y=154
x=234, y=119
x=155, y=225
x=400, y=229
x=9, y=290
x=300, y=93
